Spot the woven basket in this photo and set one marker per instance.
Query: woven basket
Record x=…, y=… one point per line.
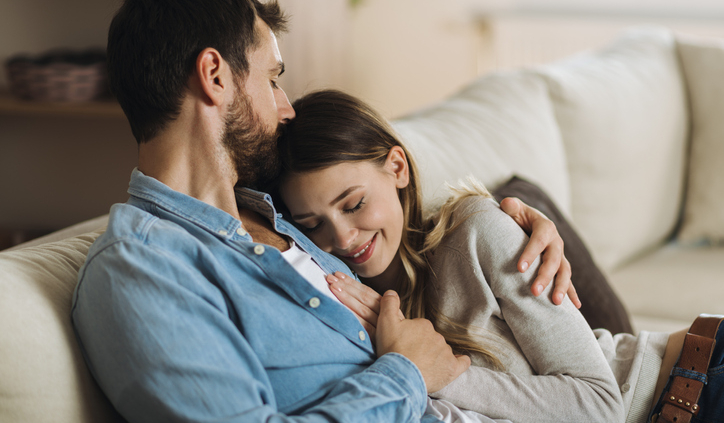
x=58, y=76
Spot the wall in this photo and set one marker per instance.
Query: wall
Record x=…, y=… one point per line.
x=34, y=26
x=409, y=53
x=399, y=55
x=315, y=50
x=56, y=171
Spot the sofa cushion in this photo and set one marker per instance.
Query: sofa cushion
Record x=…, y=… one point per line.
x=497, y=126
x=703, y=65
x=601, y=307
x=672, y=283
x=623, y=117
x=43, y=377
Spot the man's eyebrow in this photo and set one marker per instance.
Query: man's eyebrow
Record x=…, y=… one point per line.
x=339, y=198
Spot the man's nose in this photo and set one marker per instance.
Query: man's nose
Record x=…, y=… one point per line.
x=285, y=110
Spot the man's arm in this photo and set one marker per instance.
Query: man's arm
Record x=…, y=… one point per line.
x=163, y=349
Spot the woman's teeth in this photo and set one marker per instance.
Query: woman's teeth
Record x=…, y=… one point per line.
x=363, y=250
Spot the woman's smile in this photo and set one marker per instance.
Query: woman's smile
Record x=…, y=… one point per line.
x=363, y=253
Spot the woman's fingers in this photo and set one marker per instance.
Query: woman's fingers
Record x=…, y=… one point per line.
x=361, y=299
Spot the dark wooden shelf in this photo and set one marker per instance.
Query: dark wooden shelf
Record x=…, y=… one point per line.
x=10, y=105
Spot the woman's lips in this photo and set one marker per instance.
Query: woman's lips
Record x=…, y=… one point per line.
x=364, y=253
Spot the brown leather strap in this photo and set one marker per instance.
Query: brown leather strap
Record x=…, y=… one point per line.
x=689, y=373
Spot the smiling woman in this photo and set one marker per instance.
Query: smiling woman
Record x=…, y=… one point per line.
x=351, y=186
x=352, y=211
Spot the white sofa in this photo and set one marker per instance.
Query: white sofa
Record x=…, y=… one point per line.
x=628, y=141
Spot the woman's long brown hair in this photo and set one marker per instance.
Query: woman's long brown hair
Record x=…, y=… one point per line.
x=332, y=127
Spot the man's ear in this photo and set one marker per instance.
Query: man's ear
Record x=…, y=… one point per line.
x=396, y=163
x=213, y=74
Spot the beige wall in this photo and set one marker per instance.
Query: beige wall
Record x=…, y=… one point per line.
x=55, y=171
x=408, y=53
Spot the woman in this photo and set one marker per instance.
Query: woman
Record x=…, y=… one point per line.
x=352, y=187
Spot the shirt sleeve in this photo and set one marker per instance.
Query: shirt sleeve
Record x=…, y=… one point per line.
x=163, y=348
x=572, y=381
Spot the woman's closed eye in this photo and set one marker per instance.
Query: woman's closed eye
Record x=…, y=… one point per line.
x=355, y=208
x=307, y=229
x=310, y=229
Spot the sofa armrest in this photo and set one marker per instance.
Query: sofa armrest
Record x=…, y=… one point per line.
x=71, y=231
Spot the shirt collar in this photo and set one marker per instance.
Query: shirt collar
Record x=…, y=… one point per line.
x=189, y=208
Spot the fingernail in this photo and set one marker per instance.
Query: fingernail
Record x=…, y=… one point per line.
x=537, y=289
x=559, y=297
x=332, y=279
x=390, y=293
x=524, y=266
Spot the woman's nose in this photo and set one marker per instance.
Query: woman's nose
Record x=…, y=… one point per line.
x=344, y=236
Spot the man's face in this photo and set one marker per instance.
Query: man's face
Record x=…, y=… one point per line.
x=254, y=119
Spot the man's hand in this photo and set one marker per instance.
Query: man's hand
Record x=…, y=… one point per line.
x=546, y=242
x=417, y=340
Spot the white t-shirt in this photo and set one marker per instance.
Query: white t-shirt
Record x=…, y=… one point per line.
x=307, y=267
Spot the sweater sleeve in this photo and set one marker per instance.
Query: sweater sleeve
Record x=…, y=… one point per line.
x=572, y=381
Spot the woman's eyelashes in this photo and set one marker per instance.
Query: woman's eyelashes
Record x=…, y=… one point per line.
x=345, y=211
x=312, y=229
x=357, y=207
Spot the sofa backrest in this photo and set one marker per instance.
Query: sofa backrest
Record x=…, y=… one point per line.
x=703, y=67
x=604, y=133
x=623, y=116
x=497, y=126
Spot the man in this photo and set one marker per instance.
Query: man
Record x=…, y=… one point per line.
x=185, y=308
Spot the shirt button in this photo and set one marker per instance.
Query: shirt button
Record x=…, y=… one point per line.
x=314, y=302
x=362, y=335
x=625, y=387
x=223, y=232
x=241, y=231
x=259, y=250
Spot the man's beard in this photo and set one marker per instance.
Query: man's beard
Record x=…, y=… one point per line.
x=251, y=147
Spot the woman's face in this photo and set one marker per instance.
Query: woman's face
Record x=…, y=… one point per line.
x=352, y=210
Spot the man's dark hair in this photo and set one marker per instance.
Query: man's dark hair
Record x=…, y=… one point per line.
x=153, y=46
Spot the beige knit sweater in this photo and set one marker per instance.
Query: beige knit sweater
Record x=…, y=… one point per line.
x=556, y=369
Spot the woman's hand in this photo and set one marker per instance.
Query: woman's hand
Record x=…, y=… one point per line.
x=360, y=298
x=546, y=242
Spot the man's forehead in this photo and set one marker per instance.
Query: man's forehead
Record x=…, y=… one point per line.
x=268, y=50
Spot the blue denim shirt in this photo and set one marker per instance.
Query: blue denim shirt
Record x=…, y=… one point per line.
x=182, y=317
